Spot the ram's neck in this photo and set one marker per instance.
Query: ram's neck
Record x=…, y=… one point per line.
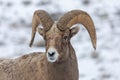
x=67, y=70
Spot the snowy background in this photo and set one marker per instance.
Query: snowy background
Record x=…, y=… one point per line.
x=102, y=64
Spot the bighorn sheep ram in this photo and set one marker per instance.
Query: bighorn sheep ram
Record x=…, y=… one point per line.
x=59, y=61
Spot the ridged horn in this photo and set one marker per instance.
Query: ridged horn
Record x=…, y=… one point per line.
x=40, y=17
x=75, y=17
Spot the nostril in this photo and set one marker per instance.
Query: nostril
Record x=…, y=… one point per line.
x=51, y=53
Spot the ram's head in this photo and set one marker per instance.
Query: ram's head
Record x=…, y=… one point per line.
x=57, y=35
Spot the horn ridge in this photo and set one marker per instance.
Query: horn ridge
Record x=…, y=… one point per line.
x=40, y=17
x=78, y=16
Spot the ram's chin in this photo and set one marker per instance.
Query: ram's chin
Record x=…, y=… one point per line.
x=52, y=60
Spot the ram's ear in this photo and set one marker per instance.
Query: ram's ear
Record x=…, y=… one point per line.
x=40, y=31
x=74, y=31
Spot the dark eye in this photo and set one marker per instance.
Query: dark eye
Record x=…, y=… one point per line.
x=65, y=37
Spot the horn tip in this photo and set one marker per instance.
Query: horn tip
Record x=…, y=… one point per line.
x=94, y=47
x=30, y=45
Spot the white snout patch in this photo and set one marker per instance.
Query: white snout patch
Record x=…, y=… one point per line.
x=54, y=57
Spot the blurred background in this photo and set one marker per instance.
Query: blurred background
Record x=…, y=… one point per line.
x=102, y=64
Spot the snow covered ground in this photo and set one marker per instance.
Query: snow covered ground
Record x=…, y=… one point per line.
x=102, y=64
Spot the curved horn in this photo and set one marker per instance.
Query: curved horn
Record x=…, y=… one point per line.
x=40, y=17
x=78, y=16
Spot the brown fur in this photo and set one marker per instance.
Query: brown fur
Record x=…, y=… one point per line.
x=35, y=66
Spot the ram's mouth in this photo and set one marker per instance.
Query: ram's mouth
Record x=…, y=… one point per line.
x=51, y=58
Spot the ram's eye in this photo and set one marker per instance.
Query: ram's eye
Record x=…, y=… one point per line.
x=65, y=37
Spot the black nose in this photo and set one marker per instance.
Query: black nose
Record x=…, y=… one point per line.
x=51, y=53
